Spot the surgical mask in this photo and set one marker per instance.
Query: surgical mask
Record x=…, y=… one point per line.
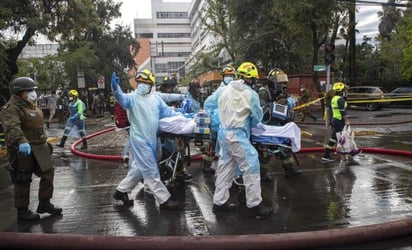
x=143, y=89
x=71, y=98
x=32, y=96
x=227, y=79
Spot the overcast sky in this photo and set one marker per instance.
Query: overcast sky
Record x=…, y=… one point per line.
x=367, y=18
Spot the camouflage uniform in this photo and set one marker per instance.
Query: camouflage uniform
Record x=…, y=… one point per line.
x=24, y=122
x=305, y=98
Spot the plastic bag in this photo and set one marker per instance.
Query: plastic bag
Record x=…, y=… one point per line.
x=346, y=142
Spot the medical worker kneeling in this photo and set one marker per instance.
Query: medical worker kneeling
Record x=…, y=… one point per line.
x=239, y=110
x=144, y=109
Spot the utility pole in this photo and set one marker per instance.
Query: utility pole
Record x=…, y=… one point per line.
x=352, y=44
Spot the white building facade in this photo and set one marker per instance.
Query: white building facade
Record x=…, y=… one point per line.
x=169, y=32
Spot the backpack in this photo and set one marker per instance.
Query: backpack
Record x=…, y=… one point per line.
x=120, y=116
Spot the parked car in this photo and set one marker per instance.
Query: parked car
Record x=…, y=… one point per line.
x=400, y=93
x=367, y=96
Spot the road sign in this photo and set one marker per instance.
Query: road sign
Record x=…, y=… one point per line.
x=100, y=83
x=319, y=67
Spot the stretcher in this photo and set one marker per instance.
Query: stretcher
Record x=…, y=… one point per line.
x=271, y=139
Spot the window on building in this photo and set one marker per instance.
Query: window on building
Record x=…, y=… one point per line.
x=161, y=68
x=144, y=35
x=173, y=35
x=171, y=15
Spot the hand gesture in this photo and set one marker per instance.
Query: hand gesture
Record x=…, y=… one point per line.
x=115, y=81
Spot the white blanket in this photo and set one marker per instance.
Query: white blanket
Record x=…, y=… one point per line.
x=181, y=125
x=290, y=131
x=178, y=125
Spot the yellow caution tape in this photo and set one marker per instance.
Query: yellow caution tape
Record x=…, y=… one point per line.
x=306, y=133
x=351, y=101
x=357, y=100
x=308, y=103
x=52, y=139
x=363, y=133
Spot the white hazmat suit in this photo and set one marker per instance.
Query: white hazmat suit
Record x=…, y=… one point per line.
x=239, y=110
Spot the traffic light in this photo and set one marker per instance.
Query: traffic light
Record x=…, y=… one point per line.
x=329, y=53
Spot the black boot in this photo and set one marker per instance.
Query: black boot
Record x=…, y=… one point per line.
x=227, y=207
x=62, y=141
x=47, y=207
x=26, y=214
x=84, y=146
x=290, y=171
x=170, y=205
x=122, y=199
x=260, y=211
x=207, y=167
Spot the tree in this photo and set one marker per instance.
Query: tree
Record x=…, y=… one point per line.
x=217, y=18
x=59, y=20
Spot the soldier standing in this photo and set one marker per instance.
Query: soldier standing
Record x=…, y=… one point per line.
x=28, y=150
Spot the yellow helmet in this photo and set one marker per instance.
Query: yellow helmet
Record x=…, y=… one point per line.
x=145, y=76
x=74, y=93
x=248, y=70
x=339, y=86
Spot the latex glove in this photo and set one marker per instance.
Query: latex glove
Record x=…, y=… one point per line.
x=189, y=115
x=187, y=105
x=260, y=126
x=180, y=110
x=184, y=96
x=25, y=148
x=115, y=81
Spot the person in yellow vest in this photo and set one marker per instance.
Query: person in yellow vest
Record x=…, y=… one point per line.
x=77, y=118
x=339, y=119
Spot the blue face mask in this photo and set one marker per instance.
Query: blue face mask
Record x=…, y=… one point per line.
x=227, y=79
x=143, y=89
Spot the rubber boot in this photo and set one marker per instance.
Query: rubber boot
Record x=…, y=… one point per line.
x=62, y=141
x=84, y=146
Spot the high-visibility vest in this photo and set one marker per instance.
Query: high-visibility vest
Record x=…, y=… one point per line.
x=112, y=101
x=335, y=107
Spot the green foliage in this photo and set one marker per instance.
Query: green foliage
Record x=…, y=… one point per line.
x=48, y=72
x=406, y=63
x=82, y=29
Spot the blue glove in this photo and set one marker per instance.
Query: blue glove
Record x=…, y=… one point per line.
x=180, y=110
x=25, y=148
x=115, y=81
x=187, y=105
x=189, y=115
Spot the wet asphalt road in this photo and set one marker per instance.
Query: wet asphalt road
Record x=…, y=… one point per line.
x=368, y=189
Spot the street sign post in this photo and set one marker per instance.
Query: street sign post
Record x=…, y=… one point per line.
x=319, y=67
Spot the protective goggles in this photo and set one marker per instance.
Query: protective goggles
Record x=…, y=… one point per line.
x=143, y=77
